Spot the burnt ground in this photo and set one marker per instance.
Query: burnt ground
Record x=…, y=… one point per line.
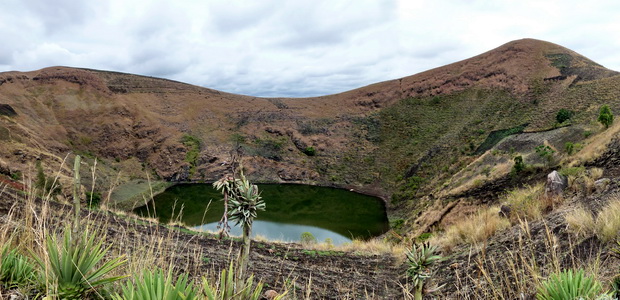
x=499, y=268
x=332, y=274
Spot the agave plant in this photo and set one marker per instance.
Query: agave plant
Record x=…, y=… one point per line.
x=16, y=270
x=569, y=285
x=73, y=268
x=420, y=258
x=158, y=286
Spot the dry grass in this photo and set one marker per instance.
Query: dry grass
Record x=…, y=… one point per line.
x=528, y=203
x=608, y=221
x=580, y=222
x=606, y=225
x=472, y=230
x=516, y=271
x=595, y=145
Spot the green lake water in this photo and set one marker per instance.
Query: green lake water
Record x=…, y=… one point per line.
x=337, y=214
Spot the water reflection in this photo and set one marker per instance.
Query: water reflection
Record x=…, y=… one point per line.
x=275, y=231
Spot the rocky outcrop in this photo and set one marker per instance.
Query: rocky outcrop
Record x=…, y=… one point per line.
x=556, y=183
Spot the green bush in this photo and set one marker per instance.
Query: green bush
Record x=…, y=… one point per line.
x=519, y=165
x=605, y=116
x=545, y=152
x=310, y=151
x=307, y=238
x=563, y=115
x=569, y=285
x=93, y=199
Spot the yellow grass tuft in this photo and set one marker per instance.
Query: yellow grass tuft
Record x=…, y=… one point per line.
x=608, y=221
x=580, y=222
x=473, y=230
x=528, y=203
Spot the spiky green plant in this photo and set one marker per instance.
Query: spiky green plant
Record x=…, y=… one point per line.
x=227, y=290
x=569, y=285
x=16, y=270
x=73, y=268
x=158, y=286
x=420, y=258
x=242, y=201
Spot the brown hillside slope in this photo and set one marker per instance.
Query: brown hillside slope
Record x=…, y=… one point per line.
x=134, y=122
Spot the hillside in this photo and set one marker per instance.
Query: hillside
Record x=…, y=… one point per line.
x=388, y=139
x=439, y=147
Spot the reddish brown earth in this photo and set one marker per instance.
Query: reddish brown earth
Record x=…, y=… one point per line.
x=117, y=116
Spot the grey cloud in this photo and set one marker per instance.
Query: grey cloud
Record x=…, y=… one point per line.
x=231, y=16
x=58, y=14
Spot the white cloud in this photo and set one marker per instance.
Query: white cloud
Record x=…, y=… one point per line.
x=291, y=48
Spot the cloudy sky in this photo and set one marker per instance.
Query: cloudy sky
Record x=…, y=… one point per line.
x=291, y=48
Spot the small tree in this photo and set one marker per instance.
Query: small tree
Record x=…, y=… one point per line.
x=563, y=115
x=519, y=164
x=242, y=202
x=546, y=153
x=605, y=116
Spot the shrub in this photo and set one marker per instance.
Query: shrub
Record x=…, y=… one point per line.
x=307, y=238
x=310, y=151
x=569, y=285
x=93, y=199
x=519, y=164
x=605, y=116
x=563, y=115
x=546, y=153
x=569, y=148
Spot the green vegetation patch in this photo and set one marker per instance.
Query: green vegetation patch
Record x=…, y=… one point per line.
x=496, y=136
x=193, y=150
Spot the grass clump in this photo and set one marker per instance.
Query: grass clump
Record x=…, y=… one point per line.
x=606, y=225
x=608, y=221
x=580, y=222
x=473, y=230
x=527, y=203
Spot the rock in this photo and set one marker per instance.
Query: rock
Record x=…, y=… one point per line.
x=556, y=183
x=504, y=211
x=602, y=184
x=270, y=294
